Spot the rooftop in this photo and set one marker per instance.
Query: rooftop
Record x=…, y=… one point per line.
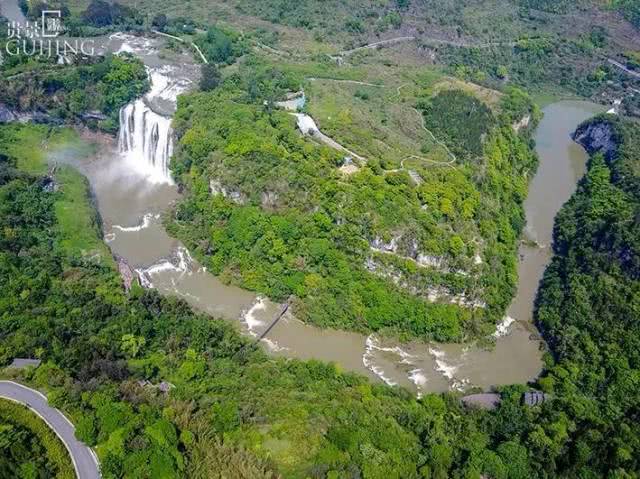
x=19, y=363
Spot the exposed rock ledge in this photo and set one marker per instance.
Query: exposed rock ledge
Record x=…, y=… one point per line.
x=126, y=272
x=216, y=188
x=8, y=115
x=523, y=123
x=598, y=136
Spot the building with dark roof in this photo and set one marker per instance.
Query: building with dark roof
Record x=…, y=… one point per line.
x=20, y=363
x=533, y=398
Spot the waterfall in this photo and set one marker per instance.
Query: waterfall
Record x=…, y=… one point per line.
x=145, y=141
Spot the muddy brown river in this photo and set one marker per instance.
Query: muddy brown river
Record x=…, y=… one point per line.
x=133, y=191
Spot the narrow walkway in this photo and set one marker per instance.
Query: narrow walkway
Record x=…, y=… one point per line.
x=308, y=126
x=623, y=68
x=355, y=82
x=425, y=39
x=376, y=44
x=441, y=143
x=84, y=459
x=283, y=310
x=204, y=59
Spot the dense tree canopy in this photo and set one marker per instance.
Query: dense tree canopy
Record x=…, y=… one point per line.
x=272, y=212
x=235, y=411
x=28, y=448
x=99, y=86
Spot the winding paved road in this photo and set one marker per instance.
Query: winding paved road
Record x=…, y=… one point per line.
x=84, y=459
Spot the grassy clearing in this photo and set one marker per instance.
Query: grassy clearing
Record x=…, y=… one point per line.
x=544, y=98
x=369, y=107
x=36, y=148
x=25, y=144
x=34, y=145
x=77, y=219
x=490, y=97
x=369, y=120
x=57, y=460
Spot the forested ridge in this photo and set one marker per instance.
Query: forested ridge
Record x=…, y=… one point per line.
x=588, y=302
x=234, y=410
x=272, y=212
x=231, y=409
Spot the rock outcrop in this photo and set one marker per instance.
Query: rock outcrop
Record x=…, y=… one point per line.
x=8, y=115
x=126, y=272
x=598, y=136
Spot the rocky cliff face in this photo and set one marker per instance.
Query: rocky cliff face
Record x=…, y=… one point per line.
x=8, y=115
x=598, y=136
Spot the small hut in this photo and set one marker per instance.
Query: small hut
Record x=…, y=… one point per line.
x=165, y=387
x=533, y=398
x=483, y=401
x=21, y=363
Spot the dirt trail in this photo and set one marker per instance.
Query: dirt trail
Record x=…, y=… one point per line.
x=623, y=68
x=331, y=142
x=375, y=45
x=442, y=144
x=272, y=50
x=354, y=82
x=308, y=126
x=440, y=41
x=204, y=59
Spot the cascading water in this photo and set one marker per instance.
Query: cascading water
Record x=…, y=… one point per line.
x=146, y=141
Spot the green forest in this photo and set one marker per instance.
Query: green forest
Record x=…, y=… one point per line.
x=28, y=448
x=587, y=306
x=91, y=93
x=160, y=390
x=234, y=409
x=290, y=224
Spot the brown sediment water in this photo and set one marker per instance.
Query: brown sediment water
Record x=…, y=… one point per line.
x=131, y=201
x=562, y=164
